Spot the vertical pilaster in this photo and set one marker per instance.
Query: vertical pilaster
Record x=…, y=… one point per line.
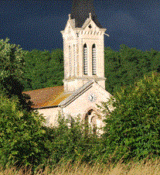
x=77, y=55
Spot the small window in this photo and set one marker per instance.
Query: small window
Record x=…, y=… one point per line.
x=90, y=26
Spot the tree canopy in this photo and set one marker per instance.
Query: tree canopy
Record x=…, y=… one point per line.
x=133, y=127
x=22, y=140
x=43, y=69
x=11, y=68
x=131, y=130
x=124, y=67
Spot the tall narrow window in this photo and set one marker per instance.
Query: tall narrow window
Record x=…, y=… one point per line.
x=74, y=52
x=94, y=71
x=70, y=61
x=85, y=60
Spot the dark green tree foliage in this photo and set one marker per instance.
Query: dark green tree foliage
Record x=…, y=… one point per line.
x=11, y=71
x=69, y=143
x=133, y=128
x=22, y=137
x=122, y=68
x=43, y=69
x=11, y=68
x=128, y=65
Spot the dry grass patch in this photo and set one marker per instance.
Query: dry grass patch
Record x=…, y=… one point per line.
x=142, y=168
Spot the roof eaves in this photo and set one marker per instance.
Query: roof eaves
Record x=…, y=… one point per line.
x=45, y=107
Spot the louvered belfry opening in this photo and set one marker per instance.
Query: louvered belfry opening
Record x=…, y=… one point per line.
x=94, y=59
x=85, y=59
x=80, y=12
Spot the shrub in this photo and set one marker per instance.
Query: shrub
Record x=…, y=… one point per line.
x=72, y=144
x=133, y=129
x=22, y=136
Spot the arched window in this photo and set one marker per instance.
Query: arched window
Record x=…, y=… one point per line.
x=91, y=122
x=94, y=71
x=85, y=59
x=70, y=61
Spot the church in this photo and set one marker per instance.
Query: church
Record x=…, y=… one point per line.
x=84, y=77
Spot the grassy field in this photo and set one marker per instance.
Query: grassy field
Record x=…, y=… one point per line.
x=147, y=168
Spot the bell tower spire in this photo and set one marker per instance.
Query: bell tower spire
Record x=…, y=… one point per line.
x=80, y=11
x=83, y=47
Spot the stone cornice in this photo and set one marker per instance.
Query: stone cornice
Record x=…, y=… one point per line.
x=85, y=78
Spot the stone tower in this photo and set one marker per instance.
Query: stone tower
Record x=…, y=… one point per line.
x=83, y=46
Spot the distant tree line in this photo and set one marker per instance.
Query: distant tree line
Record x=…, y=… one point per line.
x=43, y=69
x=122, y=68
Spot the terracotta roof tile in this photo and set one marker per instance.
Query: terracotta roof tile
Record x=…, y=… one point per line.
x=47, y=97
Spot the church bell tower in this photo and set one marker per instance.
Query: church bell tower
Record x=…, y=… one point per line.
x=83, y=46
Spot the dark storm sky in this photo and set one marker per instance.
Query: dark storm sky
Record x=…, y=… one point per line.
x=36, y=24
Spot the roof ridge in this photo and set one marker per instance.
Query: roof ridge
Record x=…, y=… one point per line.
x=43, y=88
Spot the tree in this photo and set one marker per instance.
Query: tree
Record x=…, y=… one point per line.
x=71, y=144
x=22, y=135
x=43, y=69
x=127, y=65
x=11, y=65
x=133, y=129
x=11, y=71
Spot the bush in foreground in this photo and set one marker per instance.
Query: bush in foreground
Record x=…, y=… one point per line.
x=26, y=142
x=72, y=144
x=22, y=137
x=133, y=128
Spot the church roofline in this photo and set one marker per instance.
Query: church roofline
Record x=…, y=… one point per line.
x=76, y=94
x=46, y=97
x=77, y=30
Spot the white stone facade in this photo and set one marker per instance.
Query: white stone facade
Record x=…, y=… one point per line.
x=84, y=77
x=74, y=40
x=83, y=103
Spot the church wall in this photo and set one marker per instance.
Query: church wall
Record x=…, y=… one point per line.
x=82, y=104
x=51, y=115
x=83, y=63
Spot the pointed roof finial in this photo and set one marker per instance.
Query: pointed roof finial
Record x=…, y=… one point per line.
x=69, y=16
x=80, y=11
